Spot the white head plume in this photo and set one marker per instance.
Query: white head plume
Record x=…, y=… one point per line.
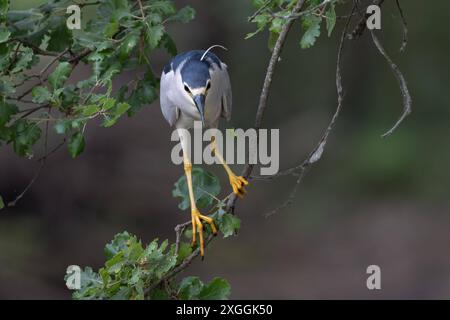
x=214, y=46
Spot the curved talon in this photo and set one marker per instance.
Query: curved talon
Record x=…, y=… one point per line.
x=237, y=184
x=197, y=225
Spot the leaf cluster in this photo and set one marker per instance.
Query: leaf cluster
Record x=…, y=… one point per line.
x=274, y=14
x=131, y=268
x=121, y=36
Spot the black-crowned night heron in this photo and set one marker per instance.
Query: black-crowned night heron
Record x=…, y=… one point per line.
x=195, y=86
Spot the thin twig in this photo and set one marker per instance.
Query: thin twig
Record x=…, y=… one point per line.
x=317, y=152
x=52, y=61
x=179, y=229
x=30, y=111
x=141, y=8
x=257, y=12
x=36, y=175
x=321, y=5
x=266, y=88
x=407, y=100
x=405, y=26
x=291, y=196
x=56, y=148
x=35, y=48
x=24, y=80
x=32, y=181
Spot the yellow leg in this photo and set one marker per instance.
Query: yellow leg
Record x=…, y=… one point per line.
x=237, y=182
x=196, y=216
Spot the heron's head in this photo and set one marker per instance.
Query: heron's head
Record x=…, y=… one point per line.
x=196, y=79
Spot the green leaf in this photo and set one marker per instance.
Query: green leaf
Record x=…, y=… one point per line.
x=24, y=61
x=275, y=29
x=62, y=126
x=4, y=5
x=114, y=115
x=25, y=135
x=40, y=95
x=6, y=88
x=169, y=44
x=108, y=103
x=258, y=3
x=121, y=109
x=60, y=38
x=184, y=251
x=145, y=93
x=115, y=10
x=5, y=56
x=2, y=203
x=261, y=20
x=153, y=36
x=60, y=75
x=190, y=288
x=119, y=243
x=184, y=15
x=229, y=224
x=6, y=111
x=159, y=294
x=217, y=289
x=311, y=25
x=89, y=110
x=68, y=97
x=205, y=185
x=276, y=25
x=330, y=16
x=114, y=264
x=160, y=261
x=90, y=283
x=76, y=144
x=111, y=29
x=128, y=45
x=163, y=7
x=4, y=34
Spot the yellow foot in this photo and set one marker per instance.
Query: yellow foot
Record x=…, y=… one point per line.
x=197, y=225
x=238, y=183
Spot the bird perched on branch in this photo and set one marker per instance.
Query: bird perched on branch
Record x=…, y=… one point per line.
x=195, y=86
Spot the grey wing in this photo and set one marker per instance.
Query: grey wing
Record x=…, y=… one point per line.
x=169, y=110
x=227, y=95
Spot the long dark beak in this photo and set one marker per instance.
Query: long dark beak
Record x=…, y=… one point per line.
x=200, y=104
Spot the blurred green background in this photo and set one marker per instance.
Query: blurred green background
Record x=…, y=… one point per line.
x=368, y=201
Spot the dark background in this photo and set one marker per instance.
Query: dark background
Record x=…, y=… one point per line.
x=368, y=201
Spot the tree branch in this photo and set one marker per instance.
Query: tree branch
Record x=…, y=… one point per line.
x=266, y=88
x=317, y=152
